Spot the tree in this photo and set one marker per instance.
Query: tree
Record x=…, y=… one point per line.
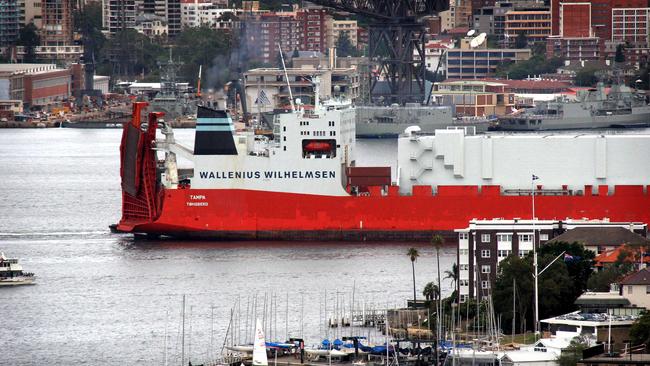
x=619, y=57
x=28, y=38
x=521, y=41
x=536, y=65
x=520, y=270
x=208, y=47
x=573, y=353
x=601, y=281
x=640, y=331
x=587, y=76
x=559, y=286
x=344, y=46
x=413, y=254
x=452, y=274
x=431, y=291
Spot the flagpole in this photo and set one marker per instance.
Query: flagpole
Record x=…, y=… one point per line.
x=532, y=193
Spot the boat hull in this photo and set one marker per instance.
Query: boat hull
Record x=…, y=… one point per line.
x=17, y=281
x=232, y=214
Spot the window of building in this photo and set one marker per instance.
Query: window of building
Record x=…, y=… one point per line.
x=504, y=237
x=463, y=298
x=485, y=269
x=463, y=236
x=523, y=253
x=463, y=251
x=629, y=289
x=543, y=237
x=463, y=283
x=485, y=253
x=526, y=237
x=647, y=289
x=485, y=284
x=464, y=267
x=485, y=238
x=503, y=253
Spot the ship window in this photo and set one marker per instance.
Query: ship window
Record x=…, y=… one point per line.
x=284, y=138
x=284, y=128
x=284, y=148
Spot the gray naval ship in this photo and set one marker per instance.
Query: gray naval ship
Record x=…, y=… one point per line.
x=593, y=108
x=391, y=121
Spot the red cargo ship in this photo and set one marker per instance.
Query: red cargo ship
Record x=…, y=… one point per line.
x=303, y=185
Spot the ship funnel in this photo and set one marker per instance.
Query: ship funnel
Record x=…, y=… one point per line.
x=214, y=132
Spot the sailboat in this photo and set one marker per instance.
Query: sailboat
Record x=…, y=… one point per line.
x=259, y=346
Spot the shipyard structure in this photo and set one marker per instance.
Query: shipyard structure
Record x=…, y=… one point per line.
x=304, y=183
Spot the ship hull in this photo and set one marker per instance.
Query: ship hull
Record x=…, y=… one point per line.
x=232, y=214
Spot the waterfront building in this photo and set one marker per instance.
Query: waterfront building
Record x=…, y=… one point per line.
x=627, y=359
x=268, y=87
x=39, y=85
x=534, y=24
x=475, y=98
x=485, y=243
x=9, y=22
x=480, y=63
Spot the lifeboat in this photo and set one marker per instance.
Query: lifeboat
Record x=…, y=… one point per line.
x=318, y=146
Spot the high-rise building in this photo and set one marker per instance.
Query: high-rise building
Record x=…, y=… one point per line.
x=30, y=11
x=316, y=26
x=347, y=27
x=631, y=26
x=9, y=22
x=118, y=15
x=265, y=32
x=601, y=15
x=57, y=23
x=534, y=24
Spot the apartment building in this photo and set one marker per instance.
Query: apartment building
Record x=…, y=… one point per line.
x=480, y=63
x=534, y=24
x=485, y=243
x=266, y=32
x=630, y=26
x=347, y=27
x=57, y=29
x=9, y=22
x=316, y=26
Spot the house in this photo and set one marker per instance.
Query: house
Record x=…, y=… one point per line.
x=636, y=288
x=605, y=238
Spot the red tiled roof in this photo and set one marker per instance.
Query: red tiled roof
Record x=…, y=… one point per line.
x=611, y=256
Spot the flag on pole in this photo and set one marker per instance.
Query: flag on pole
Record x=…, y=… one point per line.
x=535, y=177
x=262, y=98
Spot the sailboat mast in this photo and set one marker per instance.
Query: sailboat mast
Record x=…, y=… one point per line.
x=183, y=333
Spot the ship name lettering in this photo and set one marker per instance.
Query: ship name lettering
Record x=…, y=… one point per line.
x=197, y=196
x=289, y=174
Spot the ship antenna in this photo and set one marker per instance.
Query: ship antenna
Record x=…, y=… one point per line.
x=286, y=77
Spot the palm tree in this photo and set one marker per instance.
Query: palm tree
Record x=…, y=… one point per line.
x=437, y=242
x=413, y=254
x=431, y=291
x=452, y=274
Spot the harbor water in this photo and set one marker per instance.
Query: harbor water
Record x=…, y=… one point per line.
x=105, y=299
